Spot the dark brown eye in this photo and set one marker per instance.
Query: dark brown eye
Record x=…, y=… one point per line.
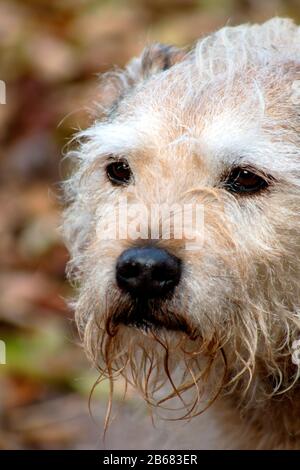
x=119, y=173
x=242, y=181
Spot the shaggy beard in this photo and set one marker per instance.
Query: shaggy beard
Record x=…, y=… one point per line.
x=245, y=352
x=159, y=352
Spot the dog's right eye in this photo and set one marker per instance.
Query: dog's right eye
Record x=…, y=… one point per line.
x=119, y=173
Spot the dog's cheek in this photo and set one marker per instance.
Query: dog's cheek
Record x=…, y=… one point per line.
x=205, y=288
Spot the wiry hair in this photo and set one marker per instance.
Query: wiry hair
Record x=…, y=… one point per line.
x=230, y=100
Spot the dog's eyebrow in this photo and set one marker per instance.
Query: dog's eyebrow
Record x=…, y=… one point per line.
x=109, y=138
x=227, y=139
x=123, y=135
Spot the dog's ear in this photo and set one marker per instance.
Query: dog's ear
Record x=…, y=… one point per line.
x=154, y=59
x=159, y=57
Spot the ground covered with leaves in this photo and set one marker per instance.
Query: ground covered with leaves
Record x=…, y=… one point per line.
x=50, y=55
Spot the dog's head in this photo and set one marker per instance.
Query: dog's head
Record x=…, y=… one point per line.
x=214, y=132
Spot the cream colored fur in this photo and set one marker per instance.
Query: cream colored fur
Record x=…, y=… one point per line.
x=181, y=119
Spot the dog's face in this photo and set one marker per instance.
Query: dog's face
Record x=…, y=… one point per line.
x=208, y=130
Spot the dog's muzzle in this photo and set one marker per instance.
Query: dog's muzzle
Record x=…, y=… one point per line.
x=149, y=275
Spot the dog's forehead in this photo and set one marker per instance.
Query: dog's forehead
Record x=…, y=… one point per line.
x=216, y=134
x=221, y=119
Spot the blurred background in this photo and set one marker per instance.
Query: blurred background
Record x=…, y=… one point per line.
x=50, y=55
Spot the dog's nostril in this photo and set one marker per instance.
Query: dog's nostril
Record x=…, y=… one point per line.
x=147, y=272
x=165, y=272
x=129, y=269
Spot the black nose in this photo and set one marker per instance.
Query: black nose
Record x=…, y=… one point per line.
x=148, y=272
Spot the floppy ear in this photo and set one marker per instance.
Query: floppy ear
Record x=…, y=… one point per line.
x=154, y=59
x=159, y=57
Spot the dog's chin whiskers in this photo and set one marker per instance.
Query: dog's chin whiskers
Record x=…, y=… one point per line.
x=149, y=357
x=149, y=316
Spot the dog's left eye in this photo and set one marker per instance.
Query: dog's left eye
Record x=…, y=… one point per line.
x=242, y=180
x=119, y=173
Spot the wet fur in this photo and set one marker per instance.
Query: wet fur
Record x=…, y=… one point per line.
x=237, y=305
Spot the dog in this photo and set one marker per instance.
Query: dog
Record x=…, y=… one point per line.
x=216, y=323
